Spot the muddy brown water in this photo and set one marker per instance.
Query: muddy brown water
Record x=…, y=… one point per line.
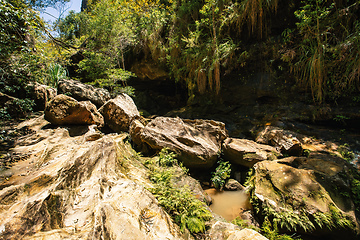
x=228, y=204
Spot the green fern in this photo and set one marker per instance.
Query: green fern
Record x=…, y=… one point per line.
x=186, y=210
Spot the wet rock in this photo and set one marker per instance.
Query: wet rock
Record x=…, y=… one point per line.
x=305, y=194
x=64, y=110
x=246, y=152
x=197, y=142
x=41, y=94
x=233, y=185
x=71, y=189
x=119, y=113
x=83, y=92
x=285, y=141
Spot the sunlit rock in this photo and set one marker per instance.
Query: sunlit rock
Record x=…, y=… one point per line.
x=226, y=231
x=246, y=152
x=41, y=94
x=64, y=110
x=68, y=188
x=302, y=194
x=83, y=92
x=119, y=113
x=285, y=141
x=197, y=142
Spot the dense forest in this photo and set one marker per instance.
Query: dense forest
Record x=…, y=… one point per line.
x=313, y=44
x=251, y=64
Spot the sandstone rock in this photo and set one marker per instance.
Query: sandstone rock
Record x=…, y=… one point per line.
x=285, y=141
x=233, y=185
x=246, y=234
x=197, y=142
x=64, y=110
x=69, y=189
x=120, y=112
x=246, y=152
x=83, y=92
x=305, y=194
x=41, y=94
x=135, y=129
x=228, y=231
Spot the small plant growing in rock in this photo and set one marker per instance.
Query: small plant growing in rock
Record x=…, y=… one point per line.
x=56, y=72
x=222, y=172
x=345, y=152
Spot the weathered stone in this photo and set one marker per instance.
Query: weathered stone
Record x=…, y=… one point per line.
x=83, y=92
x=246, y=152
x=285, y=141
x=120, y=112
x=64, y=110
x=135, y=129
x=197, y=142
x=233, y=185
x=228, y=231
x=70, y=189
x=41, y=94
x=305, y=194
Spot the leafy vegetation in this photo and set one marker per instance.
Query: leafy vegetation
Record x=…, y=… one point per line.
x=186, y=210
x=272, y=233
x=56, y=72
x=345, y=152
x=222, y=172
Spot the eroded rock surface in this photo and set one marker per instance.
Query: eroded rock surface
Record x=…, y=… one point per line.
x=246, y=152
x=64, y=110
x=233, y=185
x=41, y=94
x=119, y=113
x=197, y=142
x=83, y=92
x=306, y=194
x=74, y=189
x=285, y=141
x=227, y=231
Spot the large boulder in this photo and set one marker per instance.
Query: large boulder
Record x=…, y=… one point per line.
x=246, y=152
x=69, y=189
x=284, y=140
x=302, y=194
x=119, y=113
x=83, y=92
x=41, y=94
x=197, y=142
x=63, y=110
